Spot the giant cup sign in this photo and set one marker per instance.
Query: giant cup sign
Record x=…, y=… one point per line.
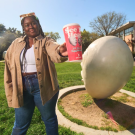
x=72, y=35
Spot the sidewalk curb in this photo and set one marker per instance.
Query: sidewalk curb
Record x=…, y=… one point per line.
x=78, y=128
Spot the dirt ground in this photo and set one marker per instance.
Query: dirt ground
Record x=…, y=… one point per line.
x=121, y=106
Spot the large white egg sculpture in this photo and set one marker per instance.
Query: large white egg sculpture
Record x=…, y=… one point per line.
x=106, y=66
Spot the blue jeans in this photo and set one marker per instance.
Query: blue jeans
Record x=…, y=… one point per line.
x=31, y=97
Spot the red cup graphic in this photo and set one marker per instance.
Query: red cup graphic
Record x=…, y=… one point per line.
x=72, y=35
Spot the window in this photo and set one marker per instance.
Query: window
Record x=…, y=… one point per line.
x=121, y=34
x=129, y=31
x=117, y=34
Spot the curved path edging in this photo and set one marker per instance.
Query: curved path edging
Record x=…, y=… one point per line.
x=78, y=128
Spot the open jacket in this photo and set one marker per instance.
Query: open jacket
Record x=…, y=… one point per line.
x=46, y=52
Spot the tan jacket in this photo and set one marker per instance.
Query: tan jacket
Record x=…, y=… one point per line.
x=46, y=52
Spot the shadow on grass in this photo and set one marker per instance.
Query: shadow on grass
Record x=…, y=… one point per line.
x=123, y=114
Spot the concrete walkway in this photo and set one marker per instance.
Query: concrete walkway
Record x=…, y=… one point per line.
x=2, y=61
x=78, y=128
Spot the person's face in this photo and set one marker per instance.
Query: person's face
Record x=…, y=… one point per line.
x=73, y=40
x=31, y=27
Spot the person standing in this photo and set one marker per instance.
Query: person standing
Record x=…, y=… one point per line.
x=30, y=76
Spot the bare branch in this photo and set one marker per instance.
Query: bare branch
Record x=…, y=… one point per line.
x=107, y=22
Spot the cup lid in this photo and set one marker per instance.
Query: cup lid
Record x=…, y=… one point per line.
x=71, y=24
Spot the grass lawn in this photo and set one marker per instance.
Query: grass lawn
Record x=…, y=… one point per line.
x=68, y=75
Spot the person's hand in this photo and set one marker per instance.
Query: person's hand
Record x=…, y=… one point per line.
x=63, y=50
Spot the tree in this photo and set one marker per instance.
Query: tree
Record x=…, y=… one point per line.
x=2, y=29
x=15, y=31
x=11, y=30
x=6, y=38
x=88, y=38
x=107, y=22
x=6, y=41
x=53, y=35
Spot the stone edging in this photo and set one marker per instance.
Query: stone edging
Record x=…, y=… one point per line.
x=78, y=128
x=2, y=61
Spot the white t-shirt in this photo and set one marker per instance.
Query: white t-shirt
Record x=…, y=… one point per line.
x=29, y=64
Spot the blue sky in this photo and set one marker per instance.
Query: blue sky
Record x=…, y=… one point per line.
x=54, y=14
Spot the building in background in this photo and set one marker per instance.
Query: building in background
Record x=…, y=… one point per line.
x=127, y=33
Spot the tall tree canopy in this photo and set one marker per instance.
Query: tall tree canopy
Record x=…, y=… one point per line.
x=88, y=38
x=6, y=37
x=2, y=28
x=53, y=35
x=107, y=22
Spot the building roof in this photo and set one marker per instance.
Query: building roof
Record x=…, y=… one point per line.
x=125, y=26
